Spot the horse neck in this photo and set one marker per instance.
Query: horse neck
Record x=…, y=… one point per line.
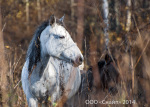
x=50, y=64
x=55, y=66
x=54, y=62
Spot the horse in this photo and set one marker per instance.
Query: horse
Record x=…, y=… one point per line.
x=52, y=61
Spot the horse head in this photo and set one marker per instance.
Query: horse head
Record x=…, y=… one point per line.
x=52, y=39
x=57, y=42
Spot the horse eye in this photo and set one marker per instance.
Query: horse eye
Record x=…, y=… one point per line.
x=62, y=37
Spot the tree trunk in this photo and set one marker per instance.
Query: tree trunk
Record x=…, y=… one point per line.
x=117, y=3
x=105, y=18
x=128, y=27
x=39, y=10
x=128, y=21
x=93, y=59
x=72, y=10
x=3, y=68
x=80, y=23
x=27, y=15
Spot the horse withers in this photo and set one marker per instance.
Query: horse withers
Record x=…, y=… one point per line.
x=52, y=61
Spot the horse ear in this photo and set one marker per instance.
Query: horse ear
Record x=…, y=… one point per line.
x=52, y=20
x=62, y=18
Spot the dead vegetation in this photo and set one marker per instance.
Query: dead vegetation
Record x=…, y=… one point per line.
x=133, y=66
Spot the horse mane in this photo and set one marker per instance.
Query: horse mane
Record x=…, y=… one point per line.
x=34, y=49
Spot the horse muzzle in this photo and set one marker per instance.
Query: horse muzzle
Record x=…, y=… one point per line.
x=78, y=61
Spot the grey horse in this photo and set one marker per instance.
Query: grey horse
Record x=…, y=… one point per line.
x=51, y=66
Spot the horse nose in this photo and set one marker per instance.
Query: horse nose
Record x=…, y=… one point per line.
x=79, y=60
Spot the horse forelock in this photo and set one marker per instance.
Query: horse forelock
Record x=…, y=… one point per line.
x=34, y=50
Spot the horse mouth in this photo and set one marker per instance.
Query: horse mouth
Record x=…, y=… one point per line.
x=78, y=61
x=74, y=63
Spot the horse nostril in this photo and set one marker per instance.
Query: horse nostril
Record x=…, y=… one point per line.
x=80, y=59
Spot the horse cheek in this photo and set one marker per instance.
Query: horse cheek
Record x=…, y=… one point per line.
x=50, y=46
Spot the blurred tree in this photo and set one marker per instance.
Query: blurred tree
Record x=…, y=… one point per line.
x=106, y=22
x=39, y=10
x=128, y=21
x=112, y=17
x=145, y=5
x=80, y=23
x=72, y=10
x=3, y=68
x=27, y=15
x=131, y=68
x=117, y=14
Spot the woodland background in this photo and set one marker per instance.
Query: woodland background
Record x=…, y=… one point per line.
x=128, y=41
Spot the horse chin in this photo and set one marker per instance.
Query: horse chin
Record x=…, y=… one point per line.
x=76, y=65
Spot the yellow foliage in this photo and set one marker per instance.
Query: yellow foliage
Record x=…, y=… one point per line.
x=148, y=18
x=19, y=14
x=54, y=104
x=49, y=98
x=7, y=47
x=118, y=39
x=27, y=4
x=123, y=26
